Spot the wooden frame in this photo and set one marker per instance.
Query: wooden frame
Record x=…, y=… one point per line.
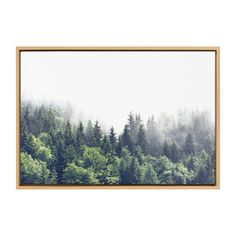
x=217, y=113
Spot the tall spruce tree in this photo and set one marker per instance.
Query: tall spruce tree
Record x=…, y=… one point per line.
x=135, y=171
x=189, y=148
x=119, y=146
x=97, y=135
x=174, y=152
x=89, y=134
x=126, y=139
x=166, y=149
x=60, y=160
x=79, y=138
x=142, y=141
x=153, y=143
x=68, y=138
x=112, y=139
x=105, y=145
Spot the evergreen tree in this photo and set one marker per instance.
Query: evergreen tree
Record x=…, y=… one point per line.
x=89, y=134
x=60, y=160
x=174, y=152
x=105, y=145
x=166, y=149
x=79, y=138
x=142, y=141
x=131, y=128
x=68, y=139
x=189, y=148
x=126, y=139
x=26, y=118
x=135, y=171
x=150, y=176
x=153, y=144
x=97, y=135
x=112, y=139
x=119, y=146
x=125, y=172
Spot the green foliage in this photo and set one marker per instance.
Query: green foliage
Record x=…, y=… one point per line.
x=189, y=145
x=126, y=139
x=97, y=135
x=153, y=139
x=46, y=139
x=78, y=175
x=89, y=139
x=166, y=149
x=68, y=138
x=56, y=151
x=113, y=140
x=125, y=173
x=105, y=145
x=79, y=138
x=34, y=171
x=142, y=141
x=174, y=152
x=149, y=175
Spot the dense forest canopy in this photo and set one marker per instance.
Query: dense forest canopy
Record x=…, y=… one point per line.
x=57, y=150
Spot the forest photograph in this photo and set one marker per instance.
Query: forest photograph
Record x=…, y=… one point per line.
x=117, y=118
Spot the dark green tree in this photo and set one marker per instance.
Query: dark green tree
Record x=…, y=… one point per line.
x=174, y=152
x=166, y=149
x=135, y=172
x=142, y=141
x=89, y=134
x=79, y=138
x=119, y=146
x=126, y=139
x=112, y=139
x=153, y=143
x=125, y=172
x=78, y=175
x=105, y=145
x=149, y=175
x=68, y=137
x=188, y=147
x=97, y=135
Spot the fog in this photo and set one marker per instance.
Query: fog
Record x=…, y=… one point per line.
x=106, y=86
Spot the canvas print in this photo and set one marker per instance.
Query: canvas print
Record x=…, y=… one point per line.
x=117, y=117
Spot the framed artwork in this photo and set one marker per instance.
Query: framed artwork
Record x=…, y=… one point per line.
x=118, y=117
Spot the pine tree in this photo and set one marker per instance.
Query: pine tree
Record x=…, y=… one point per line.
x=113, y=139
x=119, y=146
x=97, y=135
x=126, y=139
x=68, y=140
x=150, y=176
x=189, y=148
x=131, y=127
x=60, y=160
x=166, y=149
x=125, y=174
x=135, y=171
x=153, y=143
x=105, y=145
x=79, y=138
x=89, y=134
x=142, y=141
x=26, y=118
x=174, y=152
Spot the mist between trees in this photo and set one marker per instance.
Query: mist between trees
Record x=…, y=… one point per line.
x=55, y=150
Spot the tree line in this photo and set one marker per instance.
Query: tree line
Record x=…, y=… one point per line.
x=55, y=150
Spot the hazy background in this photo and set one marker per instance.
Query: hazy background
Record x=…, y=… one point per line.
x=108, y=85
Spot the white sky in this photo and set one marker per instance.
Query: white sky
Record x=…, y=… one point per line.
x=108, y=85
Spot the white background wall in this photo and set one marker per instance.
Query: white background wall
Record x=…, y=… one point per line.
x=108, y=23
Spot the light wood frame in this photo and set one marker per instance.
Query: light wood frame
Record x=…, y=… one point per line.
x=217, y=115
